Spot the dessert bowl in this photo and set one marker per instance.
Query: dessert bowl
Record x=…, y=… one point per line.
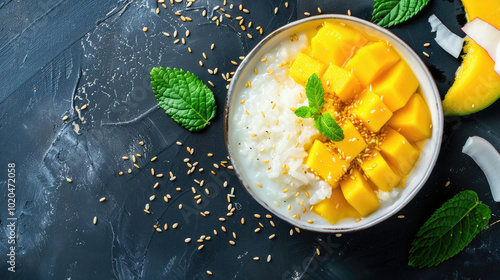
x=253, y=181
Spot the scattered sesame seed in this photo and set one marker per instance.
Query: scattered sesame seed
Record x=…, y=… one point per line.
x=187, y=240
x=232, y=242
x=272, y=236
x=401, y=216
x=249, y=35
x=349, y=12
x=174, y=226
x=317, y=251
x=159, y=175
x=427, y=44
x=175, y=33
x=426, y=54
x=201, y=247
x=83, y=107
x=257, y=216
x=65, y=118
x=256, y=258
x=145, y=29
x=102, y=199
x=69, y=180
x=276, y=10
x=307, y=14
x=447, y=183
x=256, y=230
x=286, y=4
x=209, y=272
x=338, y=234
x=120, y=173
x=319, y=10
x=166, y=34
x=95, y=220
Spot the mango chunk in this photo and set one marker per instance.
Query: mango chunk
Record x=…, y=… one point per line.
x=371, y=111
x=400, y=153
x=371, y=61
x=335, y=208
x=326, y=164
x=303, y=67
x=359, y=194
x=340, y=82
x=334, y=43
x=396, y=87
x=413, y=121
x=380, y=173
x=353, y=142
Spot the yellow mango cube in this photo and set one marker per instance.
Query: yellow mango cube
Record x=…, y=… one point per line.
x=398, y=151
x=371, y=61
x=380, y=173
x=396, y=86
x=335, y=208
x=303, y=67
x=326, y=164
x=359, y=194
x=371, y=111
x=353, y=142
x=413, y=121
x=340, y=82
x=334, y=43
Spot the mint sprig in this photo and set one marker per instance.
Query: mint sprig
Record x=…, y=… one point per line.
x=449, y=230
x=184, y=97
x=325, y=123
x=387, y=13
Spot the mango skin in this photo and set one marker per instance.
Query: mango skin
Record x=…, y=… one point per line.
x=303, y=67
x=371, y=61
x=326, y=164
x=340, y=82
x=413, y=121
x=335, y=208
x=397, y=86
x=476, y=84
x=359, y=194
x=372, y=111
x=334, y=43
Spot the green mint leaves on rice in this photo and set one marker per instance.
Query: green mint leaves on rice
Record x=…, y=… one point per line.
x=184, y=97
x=325, y=123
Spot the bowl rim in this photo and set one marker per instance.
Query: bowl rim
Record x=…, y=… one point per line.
x=416, y=58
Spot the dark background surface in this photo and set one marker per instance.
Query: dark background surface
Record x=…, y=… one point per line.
x=55, y=55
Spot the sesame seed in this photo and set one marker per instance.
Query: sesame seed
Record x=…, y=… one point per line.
x=102, y=199
x=177, y=41
x=249, y=36
x=426, y=54
x=69, y=180
x=209, y=272
x=95, y=220
x=159, y=175
x=401, y=216
x=133, y=158
x=166, y=34
x=427, y=44
x=223, y=228
x=317, y=251
x=83, y=107
x=65, y=118
x=256, y=258
x=174, y=226
x=447, y=183
x=276, y=10
x=201, y=247
x=256, y=230
x=157, y=10
x=165, y=227
x=272, y=236
x=212, y=46
x=145, y=29
x=183, y=40
x=136, y=166
x=187, y=240
x=319, y=10
x=338, y=234
x=120, y=173
x=286, y=4
x=349, y=12
x=257, y=216
x=307, y=14
x=175, y=34
x=246, y=11
x=232, y=242
x=259, y=185
x=212, y=84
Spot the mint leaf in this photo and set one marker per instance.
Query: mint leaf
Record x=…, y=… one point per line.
x=315, y=92
x=329, y=127
x=184, y=97
x=449, y=230
x=387, y=13
x=304, y=112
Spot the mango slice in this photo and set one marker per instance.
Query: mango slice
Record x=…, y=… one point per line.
x=303, y=67
x=372, y=111
x=353, y=142
x=476, y=85
x=340, y=82
x=398, y=151
x=359, y=194
x=413, y=121
x=380, y=173
x=396, y=86
x=326, y=164
x=335, y=208
x=334, y=43
x=371, y=61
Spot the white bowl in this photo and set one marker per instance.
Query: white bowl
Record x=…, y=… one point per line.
x=430, y=151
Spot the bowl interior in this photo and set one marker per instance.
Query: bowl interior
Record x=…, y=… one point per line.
x=430, y=151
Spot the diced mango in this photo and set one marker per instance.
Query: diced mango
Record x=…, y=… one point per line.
x=380, y=173
x=413, y=120
x=303, y=67
x=326, y=164
x=371, y=61
x=371, y=111
x=396, y=86
x=359, y=194
x=340, y=82
x=335, y=208
x=353, y=142
x=334, y=43
x=400, y=153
